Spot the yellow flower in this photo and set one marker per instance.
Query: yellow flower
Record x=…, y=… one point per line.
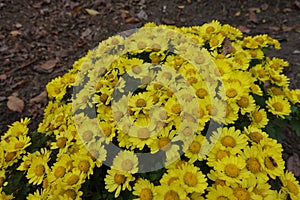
x=60, y=168
x=192, y=179
x=255, y=134
x=144, y=189
x=173, y=191
x=246, y=104
x=83, y=162
x=258, y=117
x=216, y=41
x=290, y=186
x=220, y=193
x=234, y=91
x=260, y=73
x=192, y=150
x=231, y=140
x=232, y=169
x=216, y=154
x=278, y=106
x=293, y=95
x=140, y=103
x=97, y=152
x=38, y=170
x=115, y=181
x=56, y=88
x=126, y=161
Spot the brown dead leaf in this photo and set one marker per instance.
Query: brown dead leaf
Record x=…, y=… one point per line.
x=274, y=28
x=252, y=16
x=92, y=12
x=227, y=47
x=19, y=83
x=124, y=14
x=293, y=164
x=168, y=21
x=132, y=20
x=244, y=29
x=180, y=6
x=238, y=13
x=39, y=98
x=287, y=10
x=15, y=104
x=287, y=28
x=76, y=11
x=47, y=66
x=3, y=77
x=15, y=33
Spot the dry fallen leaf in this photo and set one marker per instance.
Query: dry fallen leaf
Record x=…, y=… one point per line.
x=168, y=21
x=132, y=20
x=244, y=29
x=15, y=104
x=39, y=98
x=48, y=65
x=15, y=33
x=92, y=12
x=252, y=16
x=227, y=47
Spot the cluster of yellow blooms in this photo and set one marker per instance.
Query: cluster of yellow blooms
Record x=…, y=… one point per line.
x=180, y=102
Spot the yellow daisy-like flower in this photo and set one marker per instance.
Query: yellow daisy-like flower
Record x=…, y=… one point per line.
x=259, y=72
x=97, y=152
x=273, y=164
x=126, y=161
x=231, y=140
x=60, y=168
x=144, y=189
x=192, y=179
x=115, y=181
x=83, y=162
x=216, y=41
x=246, y=104
x=279, y=106
x=293, y=95
x=233, y=91
x=141, y=102
x=17, y=128
x=258, y=118
x=193, y=149
x=219, y=192
x=253, y=157
x=173, y=191
x=279, y=79
x=290, y=186
x=216, y=154
x=255, y=134
x=38, y=170
x=232, y=169
x=56, y=88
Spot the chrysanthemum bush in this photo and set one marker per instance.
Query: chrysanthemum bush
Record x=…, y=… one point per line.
x=161, y=113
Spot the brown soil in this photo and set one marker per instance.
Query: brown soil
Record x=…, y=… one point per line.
x=33, y=32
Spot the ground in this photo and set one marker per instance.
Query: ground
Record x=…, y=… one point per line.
x=40, y=39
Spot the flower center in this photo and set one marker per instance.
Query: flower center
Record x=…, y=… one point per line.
x=192, y=80
x=103, y=97
x=232, y=170
x=222, y=154
x=270, y=162
x=176, y=109
x=253, y=165
x=70, y=193
x=172, y=179
x=9, y=156
x=195, y=147
x=171, y=195
x=167, y=75
x=190, y=179
x=187, y=131
x=201, y=93
x=141, y=45
x=210, y=29
x=243, y=102
x=143, y=133
x=255, y=136
x=231, y=93
x=140, y=103
x=220, y=182
x=84, y=166
x=257, y=116
x=39, y=170
x=214, y=42
x=106, y=130
x=164, y=143
x=60, y=118
x=19, y=145
x=87, y=135
x=137, y=69
x=241, y=194
x=1, y=181
x=292, y=187
x=73, y=179
x=146, y=194
x=278, y=106
x=61, y=142
x=127, y=165
x=59, y=172
x=228, y=141
x=119, y=179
